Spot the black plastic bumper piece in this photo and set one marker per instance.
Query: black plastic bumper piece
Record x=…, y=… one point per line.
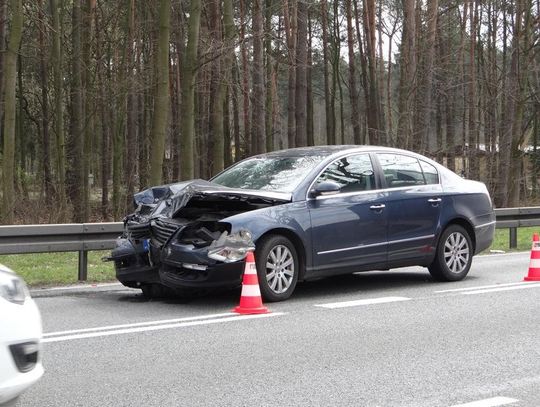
x=132, y=264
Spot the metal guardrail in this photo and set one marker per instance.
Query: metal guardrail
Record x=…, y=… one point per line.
x=513, y=218
x=85, y=237
x=70, y=237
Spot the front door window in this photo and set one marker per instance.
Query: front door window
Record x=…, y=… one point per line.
x=354, y=173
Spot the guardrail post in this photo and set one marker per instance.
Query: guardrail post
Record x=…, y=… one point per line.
x=513, y=238
x=83, y=265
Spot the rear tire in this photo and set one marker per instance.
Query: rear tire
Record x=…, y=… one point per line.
x=277, y=267
x=454, y=255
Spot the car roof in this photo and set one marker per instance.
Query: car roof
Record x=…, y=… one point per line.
x=310, y=151
x=329, y=150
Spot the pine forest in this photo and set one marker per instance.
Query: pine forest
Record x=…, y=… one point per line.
x=103, y=98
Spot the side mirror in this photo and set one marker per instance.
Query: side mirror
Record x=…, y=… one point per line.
x=326, y=188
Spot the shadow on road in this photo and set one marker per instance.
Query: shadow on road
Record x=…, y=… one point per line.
x=364, y=283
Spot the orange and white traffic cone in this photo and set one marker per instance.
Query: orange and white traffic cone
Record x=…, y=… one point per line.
x=534, y=265
x=250, y=299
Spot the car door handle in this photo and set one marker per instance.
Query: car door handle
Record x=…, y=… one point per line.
x=377, y=207
x=434, y=200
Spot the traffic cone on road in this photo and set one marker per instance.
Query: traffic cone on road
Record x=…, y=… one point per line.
x=534, y=265
x=250, y=299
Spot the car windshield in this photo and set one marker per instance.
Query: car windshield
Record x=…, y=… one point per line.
x=281, y=174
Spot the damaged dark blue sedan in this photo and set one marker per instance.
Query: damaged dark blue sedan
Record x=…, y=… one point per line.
x=308, y=213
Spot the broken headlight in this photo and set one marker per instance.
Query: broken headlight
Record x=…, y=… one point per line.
x=231, y=248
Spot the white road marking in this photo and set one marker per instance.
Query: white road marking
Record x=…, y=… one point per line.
x=355, y=303
x=485, y=286
x=480, y=256
x=147, y=323
x=493, y=290
x=492, y=402
x=158, y=327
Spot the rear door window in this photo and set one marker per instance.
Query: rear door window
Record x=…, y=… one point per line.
x=401, y=170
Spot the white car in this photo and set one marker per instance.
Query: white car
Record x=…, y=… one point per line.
x=20, y=337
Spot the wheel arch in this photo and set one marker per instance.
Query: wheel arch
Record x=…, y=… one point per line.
x=296, y=241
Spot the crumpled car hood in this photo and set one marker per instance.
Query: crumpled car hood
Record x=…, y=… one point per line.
x=167, y=200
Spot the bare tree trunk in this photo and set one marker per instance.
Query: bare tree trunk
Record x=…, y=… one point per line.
x=364, y=68
x=330, y=117
x=105, y=128
x=384, y=129
x=269, y=102
x=353, y=92
x=300, y=111
x=77, y=121
x=425, y=130
x=161, y=104
x=202, y=114
x=230, y=34
x=56, y=64
x=375, y=115
x=187, y=145
x=178, y=27
x=227, y=139
x=473, y=127
x=144, y=104
x=88, y=103
x=336, y=77
x=501, y=197
x=236, y=110
x=309, y=78
x=21, y=135
x=463, y=89
x=522, y=46
x=46, y=155
x=217, y=89
x=491, y=95
x=3, y=33
x=9, y=112
x=116, y=118
x=389, y=117
x=258, y=142
x=131, y=105
x=245, y=80
x=407, y=83
x=289, y=16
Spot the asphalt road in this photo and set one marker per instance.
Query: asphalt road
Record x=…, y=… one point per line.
x=372, y=339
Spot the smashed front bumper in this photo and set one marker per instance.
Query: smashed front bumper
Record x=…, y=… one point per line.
x=218, y=264
x=184, y=267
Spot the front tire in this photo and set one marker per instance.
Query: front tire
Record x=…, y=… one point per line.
x=454, y=255
x=277, y=267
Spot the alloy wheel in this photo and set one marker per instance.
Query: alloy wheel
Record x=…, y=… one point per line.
x=456, y=253
x=279, y=269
